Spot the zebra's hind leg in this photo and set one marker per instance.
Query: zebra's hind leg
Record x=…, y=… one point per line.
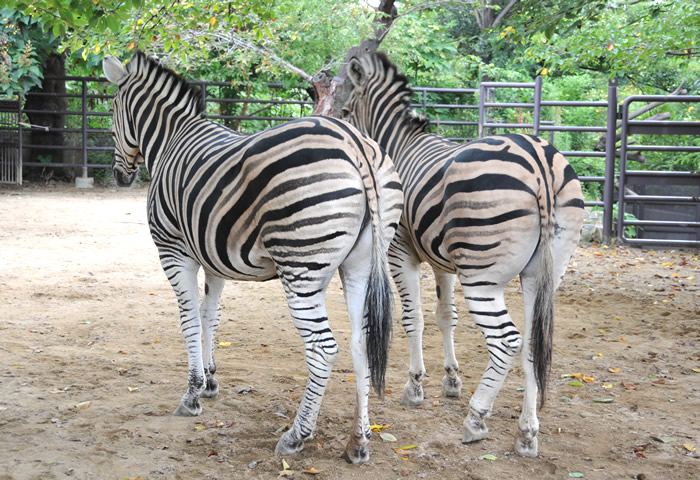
x=182, y=275
x=446, y=317
x=405, y=269
x=503, y=340
x=211, y=313
x=311, y=321
x=354, y=274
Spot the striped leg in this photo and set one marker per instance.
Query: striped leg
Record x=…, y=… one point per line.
x=488, y=309
x=565, y=241
x=354, y=274
x=446, y=318
x=311, y=321
x=405, y=268
x=210, y=313
x=182, y=275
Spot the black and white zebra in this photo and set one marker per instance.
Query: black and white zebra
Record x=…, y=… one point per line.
x=296, y=202
x=486, y=211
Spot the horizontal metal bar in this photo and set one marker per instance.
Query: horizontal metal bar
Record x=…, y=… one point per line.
x=445, y=105
x=594, y=204
x=508, y=84
x=583, y=154
x=508, y=125
x=651, y=173
x=562, y=128
x=453, y=122
x=660, y=242
x=591, y=179
x=509, y=105
x=660, y=199
x=662, y=223
x=554, y=103
x=445, y=90
x=66, y=165
x=653, y=127
x=661, y=148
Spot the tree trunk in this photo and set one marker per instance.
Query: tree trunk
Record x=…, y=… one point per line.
x=332, y=93
x=43, y=114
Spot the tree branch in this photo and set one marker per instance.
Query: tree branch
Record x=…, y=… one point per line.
x=504, y=11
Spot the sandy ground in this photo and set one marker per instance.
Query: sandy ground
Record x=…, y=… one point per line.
x=87, y=316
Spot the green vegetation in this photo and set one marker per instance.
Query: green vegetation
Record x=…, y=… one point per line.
x=649, y=46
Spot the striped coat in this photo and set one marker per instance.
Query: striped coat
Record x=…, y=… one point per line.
x=296, y=202
x=480, y=213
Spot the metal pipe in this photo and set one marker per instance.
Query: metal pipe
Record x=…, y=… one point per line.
x=609, y=182
x=538, y=105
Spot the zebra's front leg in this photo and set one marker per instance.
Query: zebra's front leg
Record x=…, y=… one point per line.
x=310, y=318
x=182, y=275
x=211, y=313
x=446, y=318
x=488, y=310
x=405, y=269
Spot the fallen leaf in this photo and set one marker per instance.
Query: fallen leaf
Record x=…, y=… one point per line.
x=689, y=447
x=659, y=381
x=629, y=386
x=607, y=385
x=387, y=437
x=133, y=389
x=662, y=439
x=588, y=379
x=379, y=428
x=285, y=465
x=488, y=457
x=613, y=370
x=696, y=370
x=199, y=426
x=603, y=400
x=575, y=475
x=575, y=383
x=83, y=405
x=312, y=471
x=224, y=344
x=212, y=453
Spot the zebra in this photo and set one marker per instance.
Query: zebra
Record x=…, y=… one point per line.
x=482, y=212
x=295, y=202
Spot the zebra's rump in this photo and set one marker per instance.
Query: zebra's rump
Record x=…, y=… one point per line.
x=470, y=205
x=246, y=205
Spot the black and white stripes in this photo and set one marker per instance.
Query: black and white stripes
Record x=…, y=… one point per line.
x=486, y=211
x=297, y=202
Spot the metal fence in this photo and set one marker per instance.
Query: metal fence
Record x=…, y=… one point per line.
x=458, y=114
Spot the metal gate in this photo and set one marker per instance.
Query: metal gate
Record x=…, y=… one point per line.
x=665, y=205
x=10, y=142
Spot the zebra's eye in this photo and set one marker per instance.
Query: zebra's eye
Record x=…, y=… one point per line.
x=345, y=112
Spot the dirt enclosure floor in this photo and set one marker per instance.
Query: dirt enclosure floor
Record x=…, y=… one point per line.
x=92, y=364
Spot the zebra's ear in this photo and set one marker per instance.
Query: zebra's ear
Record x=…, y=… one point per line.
x=355, y=72
x=114, y=71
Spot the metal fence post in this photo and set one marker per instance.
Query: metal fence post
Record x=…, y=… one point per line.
x=609, y=187
x=84, y=181
x=482, y=111
x=538, y=101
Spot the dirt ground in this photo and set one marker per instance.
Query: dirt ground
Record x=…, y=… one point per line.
x=88, y=316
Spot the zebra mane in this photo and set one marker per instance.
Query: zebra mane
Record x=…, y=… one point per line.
x=404, y=92
x=148, y=67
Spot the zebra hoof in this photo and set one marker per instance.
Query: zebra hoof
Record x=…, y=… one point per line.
x=412, y=394
x=185, y=410
x=212, y=388
x=289, y=444
x=355, y=454
x=474, y=430
x=451, y=386
x=526, y=447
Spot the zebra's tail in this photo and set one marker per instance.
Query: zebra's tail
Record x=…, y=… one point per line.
x=385, y=202
x=543, y=309
x=379, y=306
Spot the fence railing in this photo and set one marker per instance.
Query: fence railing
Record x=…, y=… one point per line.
x=459, y=114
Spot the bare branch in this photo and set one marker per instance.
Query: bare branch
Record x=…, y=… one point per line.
x=504, y=12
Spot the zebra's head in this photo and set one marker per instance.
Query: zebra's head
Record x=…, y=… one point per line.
x=380, y=95
x=127, y=154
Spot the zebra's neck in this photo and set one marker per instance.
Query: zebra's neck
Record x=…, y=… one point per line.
x=160, y=120
x=397, y=132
